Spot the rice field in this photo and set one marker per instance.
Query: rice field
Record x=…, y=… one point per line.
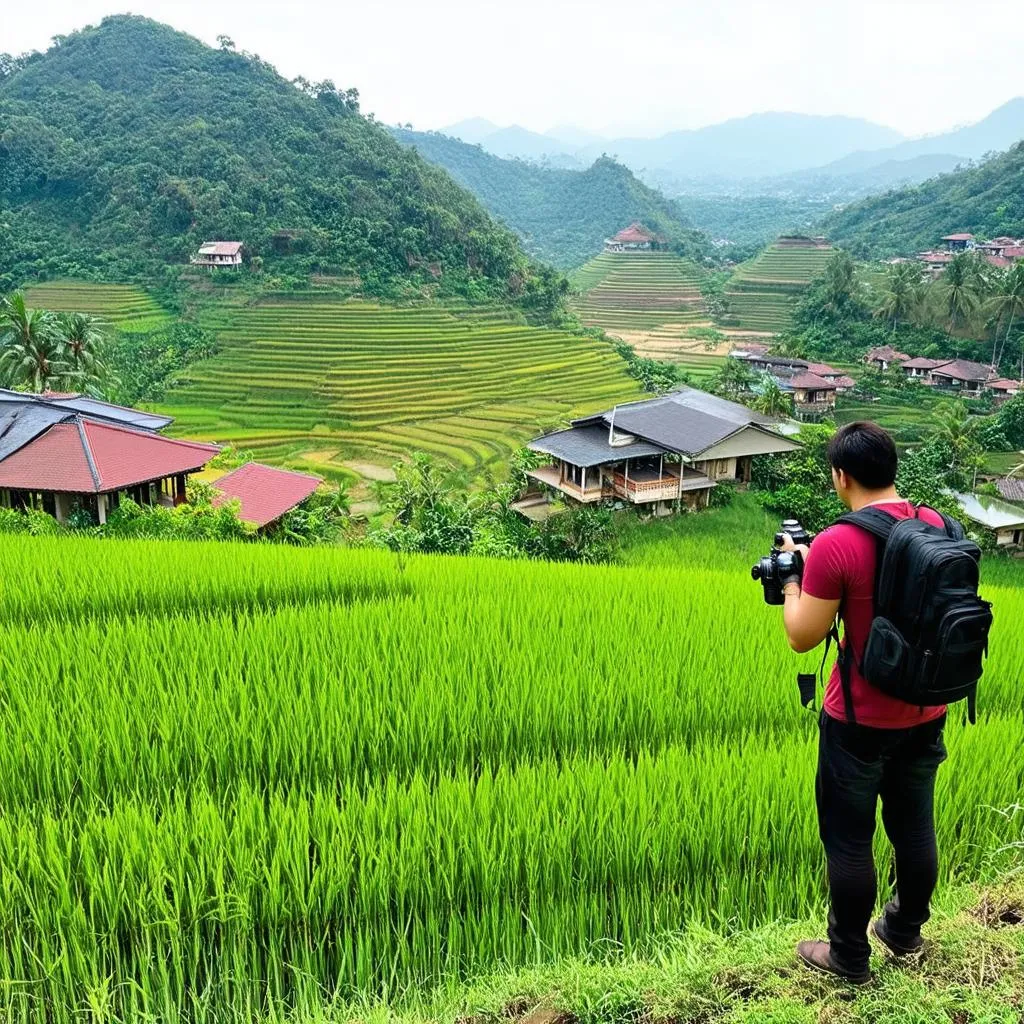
x=631, y=291
x=764, y=292
x=245, y=782
x=124, y=306
x=313, y=382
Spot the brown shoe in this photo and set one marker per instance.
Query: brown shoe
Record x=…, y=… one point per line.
x=880, y=930
x=818, y=957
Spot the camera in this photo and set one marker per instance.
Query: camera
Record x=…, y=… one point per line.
x=774, y=569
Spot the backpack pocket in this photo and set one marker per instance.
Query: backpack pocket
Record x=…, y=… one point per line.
x=886, y=658
x=961, y=644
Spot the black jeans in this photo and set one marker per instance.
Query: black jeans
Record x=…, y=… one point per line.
x=856, y=766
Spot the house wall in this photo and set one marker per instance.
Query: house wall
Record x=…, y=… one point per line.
x=1010, y=536
x=748, y=441
x=717, y=469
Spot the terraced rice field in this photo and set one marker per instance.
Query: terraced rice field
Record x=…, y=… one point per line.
x=764, y=292
x=638, y=291
x=124, y=306
x=314, y=383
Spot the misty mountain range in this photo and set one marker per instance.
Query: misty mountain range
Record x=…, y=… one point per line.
x=769, y=152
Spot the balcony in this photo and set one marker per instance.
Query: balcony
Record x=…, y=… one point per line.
x=646, y=485
x=551, y=476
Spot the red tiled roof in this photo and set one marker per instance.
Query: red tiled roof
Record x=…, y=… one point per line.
x=220, y=248
x=996, y=261
x=923, y=363
x=844, y=382
x=1003, y=384
x=886, y=353
x=636, y=232
x=1014, y=252
x=266, y=493
x=86, y=457
x=963, y=237
x=936, y=257
x=812, y=382
x=964, y=369
x=822, y=370
x=1003, y=240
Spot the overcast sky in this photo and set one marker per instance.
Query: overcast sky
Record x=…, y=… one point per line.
x=636, y=67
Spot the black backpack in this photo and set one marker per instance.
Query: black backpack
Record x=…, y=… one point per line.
x=930, y=631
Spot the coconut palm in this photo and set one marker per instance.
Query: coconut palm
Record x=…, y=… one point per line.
x=902, y=293
x=31, y=353
x=770, y=399
x=82, y=339
x=1007, y=302
x=959, y=290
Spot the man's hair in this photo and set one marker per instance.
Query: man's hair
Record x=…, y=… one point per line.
x=865, y=452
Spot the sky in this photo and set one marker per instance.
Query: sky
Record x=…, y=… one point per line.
x=637, y=68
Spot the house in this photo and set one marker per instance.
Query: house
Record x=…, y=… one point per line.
x=814, y=397
x=632, y=239
x=781, y=366
x=219, y=254
x=935, y=261
x=837, y=377
x=885, y=356
x=60, y=452
x=1003, y=390
x=962, y=375
x=264, y=493
x=1003, y=520
x=747, y=350
x=920, y=368
x=960, y=242
x=659, y=453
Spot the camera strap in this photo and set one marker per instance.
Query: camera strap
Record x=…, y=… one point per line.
x=807, y=682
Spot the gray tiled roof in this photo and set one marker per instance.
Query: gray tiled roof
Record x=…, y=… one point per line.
x=588, y=446
x=21, y=423
x=688, y=421
x=114, y=413
x=1011, y=488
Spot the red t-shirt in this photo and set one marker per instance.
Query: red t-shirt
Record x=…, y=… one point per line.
x=841, y=566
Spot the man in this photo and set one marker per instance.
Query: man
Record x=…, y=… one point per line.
x=891, y=750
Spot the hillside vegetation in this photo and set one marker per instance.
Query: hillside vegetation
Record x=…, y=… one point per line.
x=562, y=216
x=127, y=145
x=338, y=773
x=987, y=200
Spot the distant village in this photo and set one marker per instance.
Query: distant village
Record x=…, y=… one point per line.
x=999, y=252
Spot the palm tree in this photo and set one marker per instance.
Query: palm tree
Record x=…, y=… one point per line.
x=82, y=339
x=770, y=399
x=31, y=354
x=960, y=286
x=902, y=293
x=1009, y=302
x=841, y=284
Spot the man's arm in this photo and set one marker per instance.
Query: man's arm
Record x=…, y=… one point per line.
x=807, y=619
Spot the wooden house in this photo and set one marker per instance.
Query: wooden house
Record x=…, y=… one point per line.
x=962, y=375
x=1003, y=520
x=219, y=254
x=814, y=397
x=885, y=356
x=659, y=453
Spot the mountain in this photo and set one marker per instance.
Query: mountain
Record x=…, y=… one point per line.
x=127, y=145
x=986, y=200
x=572, y=138
x=473, y=130
x=514, y=142
x=757, y=145
x=561, y=216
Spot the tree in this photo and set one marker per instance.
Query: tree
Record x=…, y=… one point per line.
x=902, y=293
x=31, y=354
x=1008, y=302
x=732, y=379
x=840, y=283
x=82, y=339
x=770, y=399
x=955, y=438
x=959, y=290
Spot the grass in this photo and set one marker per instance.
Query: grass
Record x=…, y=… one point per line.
x=315, y=382
x=124, y=306
x=251, y=781
x=764, y=292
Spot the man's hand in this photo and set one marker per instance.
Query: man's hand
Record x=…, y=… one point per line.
x=788, y=545
x=807, y=619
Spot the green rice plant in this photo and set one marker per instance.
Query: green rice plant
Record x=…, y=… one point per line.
x=249, y=779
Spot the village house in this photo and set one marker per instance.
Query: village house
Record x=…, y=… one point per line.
x=959, y=242
x=814, y=397
x=219, y=254
x=935, y=261
x=1003, y=390
x=1004, y=521
x=961, y=375
x=834, y=376
x=784, y=366
x=1011, y=488
x=885, y=356
x=264, y=493
x=635, y=238
x=61, y=452
x=659, y=453
x=920, y=368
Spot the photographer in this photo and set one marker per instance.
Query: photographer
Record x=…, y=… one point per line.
x=871, y=744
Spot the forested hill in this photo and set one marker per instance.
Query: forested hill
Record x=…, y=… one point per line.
x=986, y=200
x=561, y=216
x=125, y=146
